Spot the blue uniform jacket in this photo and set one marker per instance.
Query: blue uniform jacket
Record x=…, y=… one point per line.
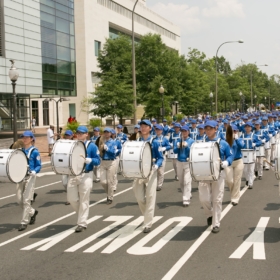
x=156, y=154
x=236, y=148
x=184, y=152
x=118, y=147
x=225, y=150
x=173, y=138
x=193, y=132
x=165, y=130
x=93, y=153
x=163, y=142
x=199, y=138
x=110, y=154
x=94, y=138
x=121, y=137
x=262, y=134
x=34, y=160
x=249, y=139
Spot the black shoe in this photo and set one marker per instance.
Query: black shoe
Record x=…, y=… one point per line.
x=246, y=183
x=256, y=174
x=146, y=230
x=22, y=227
x=185, y=204
x=109, y=201
x=260, y=177
x=215, y=229
x=67, y=203
x=158, y=189
x=115, y=191
x=209, y=221
x=234, y=203
x=33, y=218
x=34, y=196
x=80, y=229
x=250, y=187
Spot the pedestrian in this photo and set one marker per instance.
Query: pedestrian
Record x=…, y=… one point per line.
x=79, y=187
x=25, y=189
x=33, y=123
x=50, y=137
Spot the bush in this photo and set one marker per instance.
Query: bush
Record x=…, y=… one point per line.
x=95, y=122
x=73, y=126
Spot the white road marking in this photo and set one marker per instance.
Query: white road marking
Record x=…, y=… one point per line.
x=139, y=249
x=256, y=239
x=51, y=241
x=178, y=265
x=45, y=173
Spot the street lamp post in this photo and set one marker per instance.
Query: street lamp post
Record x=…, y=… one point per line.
x=161, y=91
x=265, y=101
x=216, y=64
x=176, y=107
x=211, y=101
x=133, y=66
x=241, y=107
x=13, y=75
x=255, y=102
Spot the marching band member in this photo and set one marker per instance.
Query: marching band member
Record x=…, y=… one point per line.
x=94, y=139
x=153, y=132
x=211, y=193
x=25, y=189
x=118, y=149
x=193, y=130
x=182, y=148
x=65, y=178
x=273, y=131
x=120, y=135
x=201, y=136
x=264, y=138
x=164, y=146
x=173, y=140
x=145, y=189
x=165, y=128
x=109, y=164
x=136, y=134
x=250, y=141
x=79, y=187
x=235, y=171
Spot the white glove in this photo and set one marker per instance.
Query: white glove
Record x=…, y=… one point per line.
x=263, y=141
x=235, y=136
x=254, y=144
x=88, y=160
x=162, y=149
x=224, y=164
x=171, y=145
x=155, y=167
x=32, y=173
x=270, y=135
x=178, y=145
x=185, y=144
x=116, y=151
x=106, y=147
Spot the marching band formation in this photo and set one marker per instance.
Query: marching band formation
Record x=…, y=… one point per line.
x=213, y=152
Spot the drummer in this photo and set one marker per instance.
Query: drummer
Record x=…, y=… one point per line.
x=201, y=136
x=166, y=128
x=193, y=130
x=145, y=189
x=173, y=140
x=273, y=131
x=79, y=187
x=164, y=146
x=65, y=178
x=94, y=138
x=182, y=148
x=118, y=148
x=120, y=135
x=25, y=189
x=211, y=193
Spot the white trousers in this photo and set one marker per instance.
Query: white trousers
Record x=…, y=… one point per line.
x=24, y=193
x=107, y=176
x=65, y=179
x=211, y=197
x=233, y=179
x=174, y=161
x=116, y=174
x=185, y=180
x=259, y=165
x=249, y=173
x=96, y=171
x=273, y=150
x=160, y=173
x=267, y=156
x=145, y=193
x=78, y=193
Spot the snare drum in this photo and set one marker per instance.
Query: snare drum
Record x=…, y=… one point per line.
x=248, y=156
x=68, y=157
x=272, y=140
x=267, y=145
x=13, y=166
x=136, y=159
x=205, y=161
x=171, y=154
x=260, y=151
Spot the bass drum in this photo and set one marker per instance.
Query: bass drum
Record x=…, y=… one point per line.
x=205, y=163
x=136, y=159
x=68, y=157
x=13, y=166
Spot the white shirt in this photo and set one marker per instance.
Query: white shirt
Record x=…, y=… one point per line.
x=50, y=136
x=33, y=122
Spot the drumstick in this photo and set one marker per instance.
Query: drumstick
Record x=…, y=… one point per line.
x=268, y=162
x=82, y=156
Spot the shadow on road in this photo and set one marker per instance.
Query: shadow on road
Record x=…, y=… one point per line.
x=4, y=228
x=51, y=230
x=9, y=205
x=272, y=207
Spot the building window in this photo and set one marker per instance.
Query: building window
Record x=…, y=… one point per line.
x=46, y=119
x=97, y=47
x=72, y=110
x=35, y=111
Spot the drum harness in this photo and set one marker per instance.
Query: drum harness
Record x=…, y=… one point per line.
x=86, y=145
x=248, y=139
x=202, y=140
x=160, y=142
x=28, y=157
x=194, y=133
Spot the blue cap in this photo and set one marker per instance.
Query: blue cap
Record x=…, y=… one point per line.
x=119, y=126
x=113, y=131
x=107, y=129
x=193, y=122
x=248, y=124
x=200, y=126
x=185, y=127
x=158, y=126
x=146, y=122
x=68, y=132
x=234, y=127
x=258, y=122
x=264, y=118
x=270, y=115
x=154, y=120
x=173, y=123
x=82, y=129
x=137, y=126
x=211, y=124
x=225, y=121
x=27, y=133
x=164, y=120
x=177, y=125
x=96, y=129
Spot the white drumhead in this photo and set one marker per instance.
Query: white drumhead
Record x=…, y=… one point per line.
x=147, y=160
x=77, y=161
x=216, y=160
x=17, y=159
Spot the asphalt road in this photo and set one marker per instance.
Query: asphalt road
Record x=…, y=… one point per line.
x=180, y=246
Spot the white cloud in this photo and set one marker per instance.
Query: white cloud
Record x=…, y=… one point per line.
x=224, y=8
x=187, y=18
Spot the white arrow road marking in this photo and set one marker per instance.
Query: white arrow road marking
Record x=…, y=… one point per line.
x=139, y=249
x=122, y=236
x=51, y=241
x=118, y=221
x=178, y=265
x=256, y=239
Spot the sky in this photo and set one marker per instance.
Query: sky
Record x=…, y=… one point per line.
x=206, y=24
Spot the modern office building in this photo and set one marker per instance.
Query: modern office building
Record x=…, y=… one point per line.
x=55, y=44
